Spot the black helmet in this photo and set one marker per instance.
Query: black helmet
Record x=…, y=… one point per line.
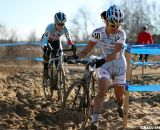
x=144, y=27
x=60, y=17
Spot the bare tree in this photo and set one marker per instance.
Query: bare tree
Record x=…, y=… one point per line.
x=80, y=24
x=138, y=12
x=3, y=33
x=32, y=36
x=12, y=36
x=7, y=35
x=154, y=16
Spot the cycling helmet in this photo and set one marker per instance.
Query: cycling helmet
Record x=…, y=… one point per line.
x=115, y=15
x=60, y=17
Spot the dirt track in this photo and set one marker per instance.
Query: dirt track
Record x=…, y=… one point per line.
x=23, y=106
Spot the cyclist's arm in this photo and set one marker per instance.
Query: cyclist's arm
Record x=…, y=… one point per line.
x=117, y=48
x=44, y=39
x=69, y=41
x=87, y=49
x=46, y=35
x=116, y=53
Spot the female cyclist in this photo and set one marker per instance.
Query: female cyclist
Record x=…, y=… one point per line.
x=112, y=65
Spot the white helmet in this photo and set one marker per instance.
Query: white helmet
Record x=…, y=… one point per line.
x=115, y=15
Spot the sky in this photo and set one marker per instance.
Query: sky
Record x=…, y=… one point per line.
x=26, y=16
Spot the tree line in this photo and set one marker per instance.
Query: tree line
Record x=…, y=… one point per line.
x=137, y=13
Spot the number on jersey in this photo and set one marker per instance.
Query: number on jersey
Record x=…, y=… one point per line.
x=96, y=35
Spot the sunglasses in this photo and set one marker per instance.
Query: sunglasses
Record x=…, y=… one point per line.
x=114, y=25
x=59, y=24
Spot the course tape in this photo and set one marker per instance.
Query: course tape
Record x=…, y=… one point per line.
x=27, y=58
x=144, y=63
x=153, y=49
x=143, y=88
x=32, y=43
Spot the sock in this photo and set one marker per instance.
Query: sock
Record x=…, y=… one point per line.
x=95, y=117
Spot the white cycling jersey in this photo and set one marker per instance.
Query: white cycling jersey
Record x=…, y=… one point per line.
x=51, y=34
x=116, y=68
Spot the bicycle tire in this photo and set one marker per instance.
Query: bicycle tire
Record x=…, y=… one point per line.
x=80, y=99
x=48, y=86
x=72, y=98
x=90, y=100
x=61, y=81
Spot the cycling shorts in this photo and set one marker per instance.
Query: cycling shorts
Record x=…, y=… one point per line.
x=113, y=70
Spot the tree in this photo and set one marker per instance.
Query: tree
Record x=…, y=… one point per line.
x=138, y=12
x=32, y=36
x=3, y=33
x=7, y=35
x=80, y=24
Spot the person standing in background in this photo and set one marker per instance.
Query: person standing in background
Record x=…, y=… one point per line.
x=144, y=37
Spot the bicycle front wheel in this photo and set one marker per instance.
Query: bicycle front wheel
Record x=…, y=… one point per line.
x=73, y=97
x=61, y=81
x=48, y=83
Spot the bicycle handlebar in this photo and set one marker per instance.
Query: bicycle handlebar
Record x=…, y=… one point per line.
x=63, y=50
x=84, y=62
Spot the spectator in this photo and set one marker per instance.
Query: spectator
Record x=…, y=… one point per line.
x=144, y=37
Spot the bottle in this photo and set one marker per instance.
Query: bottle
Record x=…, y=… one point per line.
x=44, y=40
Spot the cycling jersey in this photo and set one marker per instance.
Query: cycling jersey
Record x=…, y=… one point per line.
x=114, y=68
x=52, y=35
x=107, y=43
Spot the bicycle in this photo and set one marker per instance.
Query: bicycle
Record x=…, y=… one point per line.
x=56, y=79
x=80, y=95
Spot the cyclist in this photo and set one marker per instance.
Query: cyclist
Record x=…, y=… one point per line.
x=112, y=65
x=52, y=35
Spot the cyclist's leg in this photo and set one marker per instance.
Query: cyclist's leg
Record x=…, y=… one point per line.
x=140, y=57
x=56, y=46
x=103, y=85
x=46, y=53
x=119, y=92
x=146, y=57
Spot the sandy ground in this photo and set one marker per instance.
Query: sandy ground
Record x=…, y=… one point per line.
x=23, y=105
